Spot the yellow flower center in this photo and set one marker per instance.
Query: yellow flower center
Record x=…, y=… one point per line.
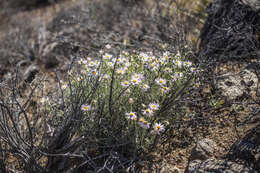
x=131, y=114
x=147, y=110
x=85, y=107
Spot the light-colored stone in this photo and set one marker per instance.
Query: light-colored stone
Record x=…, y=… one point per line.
x=203, y=150
x=233, y=85
x=217, y=166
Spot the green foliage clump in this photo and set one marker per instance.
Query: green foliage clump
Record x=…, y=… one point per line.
x=126, y=101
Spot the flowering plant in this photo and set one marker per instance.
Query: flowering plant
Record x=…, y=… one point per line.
x=128, y=96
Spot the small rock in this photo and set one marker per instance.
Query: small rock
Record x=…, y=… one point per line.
x=234, y=86
x=217, y=166
x=193, y=165
x=247, y=150
x=203, y=150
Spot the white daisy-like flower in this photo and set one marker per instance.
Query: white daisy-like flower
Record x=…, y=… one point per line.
x=80, y=78
x=187, y=63
x=107, y=56
x=143, y=123
x=138, y=76
x=193, y=69
x=178, y=74
x=167, y=53
x=146, y=125
x=94, y=73
x=178, y=63
x=145, y=87
x=119, y=60
x=158, y=128
x=120, y=71
x=85, y=107
x=148, y=112
x=153, y=65
x=131, y=116
x=110, y=64
x=135, y=81
x=64, y=86
x=106, y=76
x=154, y=106
x=125, y=83
x=92, y=64
x=164, y=89
x=160, y=81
